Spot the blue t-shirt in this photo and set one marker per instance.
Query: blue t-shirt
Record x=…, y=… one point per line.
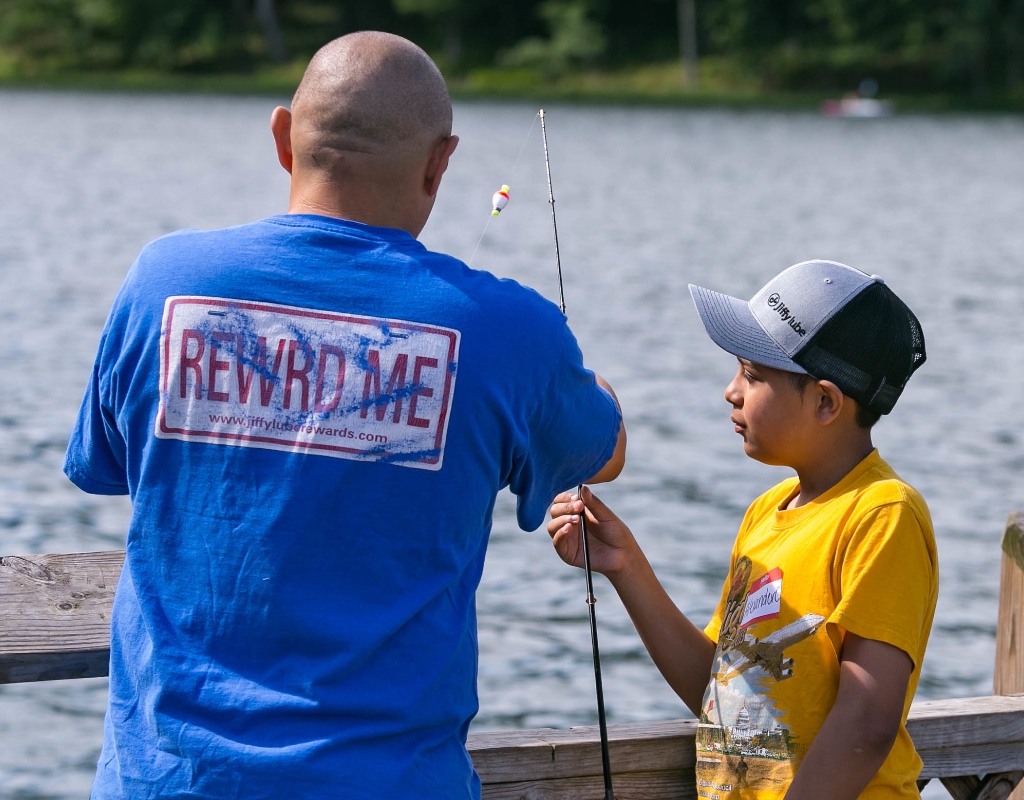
x=313, y=418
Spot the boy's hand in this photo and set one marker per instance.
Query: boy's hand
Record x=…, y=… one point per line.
x=681, y=651
x=610, y=542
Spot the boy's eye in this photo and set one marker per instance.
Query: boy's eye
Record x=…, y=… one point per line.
x=747, y=374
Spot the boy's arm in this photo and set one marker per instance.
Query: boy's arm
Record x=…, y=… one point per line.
x=680, y=650
x=861, y=727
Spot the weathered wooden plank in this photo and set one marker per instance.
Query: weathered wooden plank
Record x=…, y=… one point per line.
x=974, y=760
x=965, y=736
x=976, y=721
x=55, y=615
x=961, y=787
x=999, y=787
x=970, y=736
x=629, y=786
x=987, y=787
x=550, y=754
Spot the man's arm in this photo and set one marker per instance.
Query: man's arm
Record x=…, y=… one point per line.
x=614, y=466
x=861, y=727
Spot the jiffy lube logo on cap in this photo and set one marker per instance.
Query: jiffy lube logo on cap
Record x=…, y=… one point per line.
x=785, y=314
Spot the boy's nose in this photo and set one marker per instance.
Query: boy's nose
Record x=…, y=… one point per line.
x=733, y=395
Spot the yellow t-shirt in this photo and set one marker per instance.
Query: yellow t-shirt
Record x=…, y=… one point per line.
x=860, y=558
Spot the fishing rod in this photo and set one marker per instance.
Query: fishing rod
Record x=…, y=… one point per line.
x=591, y=600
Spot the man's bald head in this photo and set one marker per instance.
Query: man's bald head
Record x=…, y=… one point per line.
x=369, y=134
x=373, y=94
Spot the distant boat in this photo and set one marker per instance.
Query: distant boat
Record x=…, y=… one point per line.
x=860, y=103
x=863, y=107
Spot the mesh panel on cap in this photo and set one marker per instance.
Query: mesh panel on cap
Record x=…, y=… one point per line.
x=869, y=349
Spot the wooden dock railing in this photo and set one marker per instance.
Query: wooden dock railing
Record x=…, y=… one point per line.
x=54, y=624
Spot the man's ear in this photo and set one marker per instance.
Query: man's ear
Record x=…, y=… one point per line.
x=438, y=163
x=281, y=128
x=830, y=400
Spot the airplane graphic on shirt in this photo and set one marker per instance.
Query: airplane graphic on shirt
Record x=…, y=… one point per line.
x=767, y=653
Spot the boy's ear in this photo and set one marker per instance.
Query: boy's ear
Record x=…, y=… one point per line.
x=830, y=401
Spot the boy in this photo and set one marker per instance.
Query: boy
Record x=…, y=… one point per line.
x=815, y=648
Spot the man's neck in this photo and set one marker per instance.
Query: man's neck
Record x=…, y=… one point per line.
x=355, y=206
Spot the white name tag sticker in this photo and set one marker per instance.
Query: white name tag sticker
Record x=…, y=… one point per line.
x=764, y=600
x=250, y=374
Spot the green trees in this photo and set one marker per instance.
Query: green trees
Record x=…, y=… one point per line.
x=573, y=37
x=971, y=47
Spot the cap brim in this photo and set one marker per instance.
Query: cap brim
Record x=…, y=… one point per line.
x=732, y=326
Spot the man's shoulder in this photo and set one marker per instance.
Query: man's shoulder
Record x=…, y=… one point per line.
x=184, y=237
x=498, y=301
x=510, y=291
x=187, y=243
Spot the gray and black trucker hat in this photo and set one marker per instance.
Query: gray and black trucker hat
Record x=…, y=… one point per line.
x=826, y=319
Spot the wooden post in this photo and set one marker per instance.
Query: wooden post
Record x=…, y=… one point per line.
x=1009, y=668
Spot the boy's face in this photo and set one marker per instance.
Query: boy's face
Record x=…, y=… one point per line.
x=775, y=418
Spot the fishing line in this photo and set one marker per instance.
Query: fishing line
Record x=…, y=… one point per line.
x=591, y=600
x=514, y=168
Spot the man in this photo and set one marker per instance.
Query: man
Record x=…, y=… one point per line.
x=313, y=414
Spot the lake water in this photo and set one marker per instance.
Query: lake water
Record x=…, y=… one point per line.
x=648, y=200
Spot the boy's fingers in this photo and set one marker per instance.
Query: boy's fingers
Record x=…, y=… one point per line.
x=563, y=522
x=567, y=515
x=562, y=530
x=566, y=503
x=558, y=504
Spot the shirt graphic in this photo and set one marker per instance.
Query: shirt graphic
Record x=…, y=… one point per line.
x=277, y=377
x=743, y=739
